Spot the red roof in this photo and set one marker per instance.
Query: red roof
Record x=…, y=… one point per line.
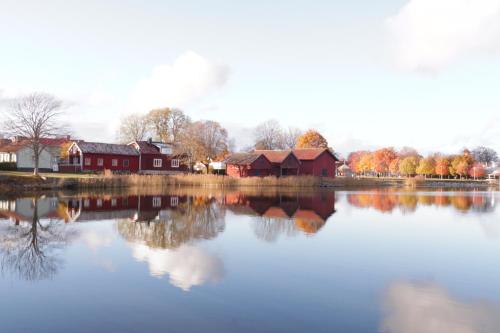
x=274, y=156
x=311, y=153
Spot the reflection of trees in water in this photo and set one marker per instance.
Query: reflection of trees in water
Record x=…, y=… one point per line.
x=387, y=201
x=269, y=229
x=29, y=249
x=197, y=218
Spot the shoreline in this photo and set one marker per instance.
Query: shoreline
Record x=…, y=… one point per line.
x=18, y=182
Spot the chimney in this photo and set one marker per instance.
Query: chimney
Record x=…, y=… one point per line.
x=150, y=140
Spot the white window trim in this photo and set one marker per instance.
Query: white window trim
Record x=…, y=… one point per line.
x=114, y=162
x=157, y=163
x=175, y=163
x=87, y=161
x=156, y=202
x=100, y=161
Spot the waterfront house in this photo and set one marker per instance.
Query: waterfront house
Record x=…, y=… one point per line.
x=96, y=156
x=284, y=162
x=158, y=157
x=19, y=152
x=318, y=162
x=248, y=165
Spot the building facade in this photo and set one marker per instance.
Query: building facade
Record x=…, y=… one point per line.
x=248, y=165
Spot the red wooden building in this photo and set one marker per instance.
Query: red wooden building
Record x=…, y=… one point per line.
x=318, y=162
x=94, y=156
x=158, y=157
x=248, y=165
x=284, y=162
x=136, y=157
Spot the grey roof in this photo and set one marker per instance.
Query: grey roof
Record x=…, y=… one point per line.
x=242, y=158
x=107, y=148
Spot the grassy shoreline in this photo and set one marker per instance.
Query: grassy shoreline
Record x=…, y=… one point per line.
x=23, y=181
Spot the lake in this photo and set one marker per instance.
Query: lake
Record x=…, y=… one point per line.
x=383, y=260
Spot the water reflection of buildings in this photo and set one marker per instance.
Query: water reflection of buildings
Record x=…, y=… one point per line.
x=141, y=208
x=23, y=209
x=285, y=213
x=388, y=201
x=31, y=236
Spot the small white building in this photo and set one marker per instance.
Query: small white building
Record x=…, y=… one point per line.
x=20, y=152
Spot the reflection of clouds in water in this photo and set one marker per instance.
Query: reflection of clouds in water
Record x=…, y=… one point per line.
x=96, y=239
x=187, y=266
x=428, y=308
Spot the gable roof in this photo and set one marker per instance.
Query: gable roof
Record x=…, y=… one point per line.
x=275, y=156
x=10, y=146
x=242, y=158
x=106, y=148
x=146, y=147
x=310, y=154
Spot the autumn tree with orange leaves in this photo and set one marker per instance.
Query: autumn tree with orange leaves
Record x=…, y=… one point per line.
x=311, y=139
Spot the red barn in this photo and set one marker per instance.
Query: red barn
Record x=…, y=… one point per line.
x=248, y=165
x=93, y=156
x=284, y=162
x=318, y=162
x=157, y=157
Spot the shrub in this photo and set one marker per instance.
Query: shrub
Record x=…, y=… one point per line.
x=8, y=166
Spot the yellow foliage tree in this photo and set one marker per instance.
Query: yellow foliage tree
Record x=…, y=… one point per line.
x=311, y=139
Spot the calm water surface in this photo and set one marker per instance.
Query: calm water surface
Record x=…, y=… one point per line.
x=371, y=261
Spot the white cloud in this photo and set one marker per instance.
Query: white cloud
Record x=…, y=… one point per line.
x=95, y=240
x=187, y=80
x=426, y=307
x=430, y=34
x=186, y=266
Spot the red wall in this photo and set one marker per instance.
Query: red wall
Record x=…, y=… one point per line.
x=166, y=165
x=315, y=167
x=133, y=163
x=261, y=167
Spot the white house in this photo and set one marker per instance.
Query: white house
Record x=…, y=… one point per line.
x=19, y=151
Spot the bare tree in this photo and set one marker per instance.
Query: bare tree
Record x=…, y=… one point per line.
x=33, y=117
x=203, y=141
x=485, y=155
x=269, y=135
x=289, y=137
x=134, y=127
x=178, y=124
x=212, y=140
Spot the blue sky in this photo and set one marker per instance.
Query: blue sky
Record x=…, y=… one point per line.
x=423, y=73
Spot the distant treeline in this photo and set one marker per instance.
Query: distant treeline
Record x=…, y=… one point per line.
x=408, y=162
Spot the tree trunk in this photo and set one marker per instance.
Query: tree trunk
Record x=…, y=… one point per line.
x=36, y=155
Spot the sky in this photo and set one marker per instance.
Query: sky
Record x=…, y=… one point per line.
x=366, y=74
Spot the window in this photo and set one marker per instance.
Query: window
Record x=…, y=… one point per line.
x=99, y=203
x=100, y=162
x=88, y=161
x=324, y=172
x=156, y=201
x=174, y=201
x=175, y=163
x=114, y=162
x=86, y=203
x=113, y=202
x=157, y=162
x=125, y=163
